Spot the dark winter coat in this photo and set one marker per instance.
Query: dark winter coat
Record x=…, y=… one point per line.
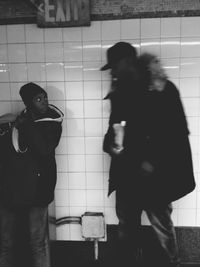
x=28, y=176
x=156, y=131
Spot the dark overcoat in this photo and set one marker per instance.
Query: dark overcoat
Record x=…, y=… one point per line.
x=28, y=177
x=156, y=131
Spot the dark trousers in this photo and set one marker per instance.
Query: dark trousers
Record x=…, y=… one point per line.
x=37, y=229
x=129, y=214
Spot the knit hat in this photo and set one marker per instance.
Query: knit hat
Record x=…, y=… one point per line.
x=29, y=91
x=117, y=52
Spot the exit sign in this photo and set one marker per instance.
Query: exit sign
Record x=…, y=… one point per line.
x=63, y=13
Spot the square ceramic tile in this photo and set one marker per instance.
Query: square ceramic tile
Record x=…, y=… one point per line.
x=92, y=33
x=106, y=108
x=190, y=27
x=72, y=34
x=93, y=127
x=92, y=51
x=33, y=34
x=36, y=72
x=76, y=163
x=61, y=212
x=170, y=48
x=151, y=46
x=63, y=232
x=198, y=218
x=74, y=90
x=174, y=217
x=92, y=90
x=53, y=35
x=91, y=71
x=73, y=71
x=75, y=232
x=194, y=143
x=73, y=51
x=77, y=211
x=74, y=109
x=191, y=106
x=54, y=52
x=189, y=87
x=170, y=27
x=93, y=145
x=64, y=126
x=77, y=180
x=35, y=53
x=193, y=125
x=189, y=201
x=190, y=67
x=94, y=180
x=62, y=163
x=16, y=53
x=130, y=28
x=14, y=107
x=61, y=198
x=77, y=198
x=55, y=71
x=4, y=72
x=3, y=53
x=62, y=180
x=95, y=198
x=5, y=92
x=187, y=217
x=94, y=163
x=150, y=28
x=75, y=145
x=106, y=162
x=190, y=47
x=5, y=107
x=195, y=162
x=110, y=30
x=18, y=72
x=75, y=127
x=93, y=108
x=105, y=123
x=16, y=33
x=56, y=90
x=105, y=180
x=3, y=35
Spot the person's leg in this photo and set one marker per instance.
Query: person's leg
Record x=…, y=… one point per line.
x=7, y=233
x=129, y=229
x=38, y=231
x=160, y=218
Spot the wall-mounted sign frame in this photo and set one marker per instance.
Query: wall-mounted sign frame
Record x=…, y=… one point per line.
x=63, y=13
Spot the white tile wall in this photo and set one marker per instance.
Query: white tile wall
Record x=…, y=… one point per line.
x=66, y=62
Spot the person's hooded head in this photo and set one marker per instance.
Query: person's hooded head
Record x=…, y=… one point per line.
x=34, y=97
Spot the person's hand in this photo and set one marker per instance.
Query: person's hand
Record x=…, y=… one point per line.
x=117, y=150
x=147, y=168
